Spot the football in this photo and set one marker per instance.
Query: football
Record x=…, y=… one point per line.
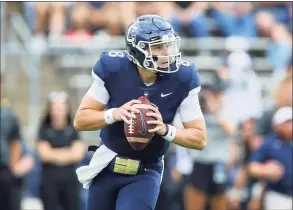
x=137, y=131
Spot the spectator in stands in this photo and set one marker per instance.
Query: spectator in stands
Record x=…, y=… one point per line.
x=105, y=15
x=191, y=17
x=265, y=23
x=273, y=162
x=242, y=85
x=52, y=14
x=210, y=175
x=60, y=149
x=12, y=165
x=235, y=18
x=79, y=32
x=131, y=10
x=279, y=52
x=283, y=97
x=280, y=10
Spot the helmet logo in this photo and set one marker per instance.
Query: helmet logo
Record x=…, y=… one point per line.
x=154, y=38
x=130, y=33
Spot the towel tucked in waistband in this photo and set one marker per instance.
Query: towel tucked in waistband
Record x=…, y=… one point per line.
x=101, y=158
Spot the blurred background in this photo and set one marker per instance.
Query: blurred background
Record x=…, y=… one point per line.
x=243, y=52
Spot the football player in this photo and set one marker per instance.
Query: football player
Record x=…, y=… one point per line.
x=119, y=177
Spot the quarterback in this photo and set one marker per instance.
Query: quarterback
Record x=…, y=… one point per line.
x=118, y=177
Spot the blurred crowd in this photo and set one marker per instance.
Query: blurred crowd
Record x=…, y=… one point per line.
x=249, y=19
x=79, y=21
x=247, y=163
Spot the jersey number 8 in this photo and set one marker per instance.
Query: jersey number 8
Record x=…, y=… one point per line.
x=116, y=54
x=185, y=63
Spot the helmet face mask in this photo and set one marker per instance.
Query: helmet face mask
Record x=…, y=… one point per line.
x=152, y=47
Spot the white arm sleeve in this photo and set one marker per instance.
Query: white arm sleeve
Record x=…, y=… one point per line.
x=98, y=91
x=190, y=109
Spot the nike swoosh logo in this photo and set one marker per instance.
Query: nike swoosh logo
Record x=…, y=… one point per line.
x=143, y=125
x=164, y=95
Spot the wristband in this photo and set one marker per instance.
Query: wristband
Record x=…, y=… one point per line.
x=167, y=130
x=170, y=136
x=108, y=116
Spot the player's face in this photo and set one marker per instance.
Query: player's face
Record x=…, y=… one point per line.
x=161, y=50
x=164, y=52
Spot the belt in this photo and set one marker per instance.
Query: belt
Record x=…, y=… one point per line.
x=127, y=166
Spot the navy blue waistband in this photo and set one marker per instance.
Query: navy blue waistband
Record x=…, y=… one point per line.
x=93, y=148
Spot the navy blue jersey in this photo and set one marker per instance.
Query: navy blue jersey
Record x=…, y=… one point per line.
x=122, y=81
x=276, y=149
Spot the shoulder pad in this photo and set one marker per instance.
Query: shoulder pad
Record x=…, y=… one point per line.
x=188, y=74
x=109, y=62
x=113, y=60
x=185, y=71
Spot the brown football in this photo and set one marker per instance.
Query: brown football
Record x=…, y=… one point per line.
x=137, y=131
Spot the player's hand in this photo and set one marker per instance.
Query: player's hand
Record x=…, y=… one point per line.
x=124, y=112
x=161, y=127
